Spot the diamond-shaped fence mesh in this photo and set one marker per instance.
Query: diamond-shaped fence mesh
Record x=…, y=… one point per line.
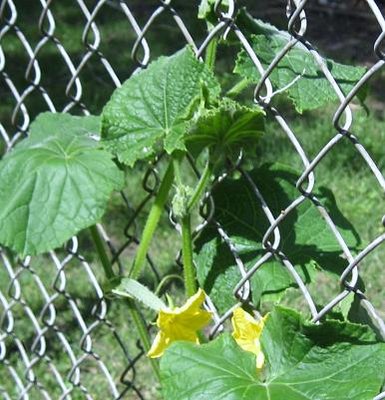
x=60, y=336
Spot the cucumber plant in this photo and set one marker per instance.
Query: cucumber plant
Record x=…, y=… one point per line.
x=57, y=182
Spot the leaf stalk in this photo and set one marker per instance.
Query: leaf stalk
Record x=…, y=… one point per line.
x=152, y=221
x=143, y=333
x=103, y=257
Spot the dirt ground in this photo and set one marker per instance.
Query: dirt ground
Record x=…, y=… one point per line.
x=343, y=29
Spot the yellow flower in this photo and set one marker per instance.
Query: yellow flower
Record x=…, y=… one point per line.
x=181, y=323
x=247, y=332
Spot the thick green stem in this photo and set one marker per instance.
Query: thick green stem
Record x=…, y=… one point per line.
x=211, y=53
x=187, y=256
x=203, y=181
x=104, y=259
x=152, y=221
x=143, y=333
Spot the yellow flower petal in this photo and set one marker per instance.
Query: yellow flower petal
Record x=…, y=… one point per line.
x=260, y=360
x=194, y=320
x=181, y=323
x=158, y=346
x=247, y=332
x=245, y=326
x=194, y=303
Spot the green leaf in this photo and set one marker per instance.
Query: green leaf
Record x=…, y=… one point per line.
x=361, y=311
x=226, y=128
x=54, y=183
x=131, y=288
x=206, y=10
x=335, y=360
x=218, y=370
x=305, y=237
x=310, y=88
x=151, y=109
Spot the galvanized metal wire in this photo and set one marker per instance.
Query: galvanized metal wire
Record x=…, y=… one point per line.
x=33, y=330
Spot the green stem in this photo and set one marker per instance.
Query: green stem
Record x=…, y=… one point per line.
x=152, y=221
x=238, y=87
x=104, y=259
x=177, y=160
x=203, y=181
x=135, y=314
x=187, y=256
x=143, y=333
x=211, y=53
x=133, y=308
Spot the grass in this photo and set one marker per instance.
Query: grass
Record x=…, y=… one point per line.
x=357, y=193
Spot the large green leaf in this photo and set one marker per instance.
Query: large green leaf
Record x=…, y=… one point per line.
x=54, y=183
x=150, y=110
x=226, y=128
x=335, y=360
x=306, y=239
x=311, y=90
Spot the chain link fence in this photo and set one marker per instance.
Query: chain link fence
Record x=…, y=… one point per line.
x=60, y=337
